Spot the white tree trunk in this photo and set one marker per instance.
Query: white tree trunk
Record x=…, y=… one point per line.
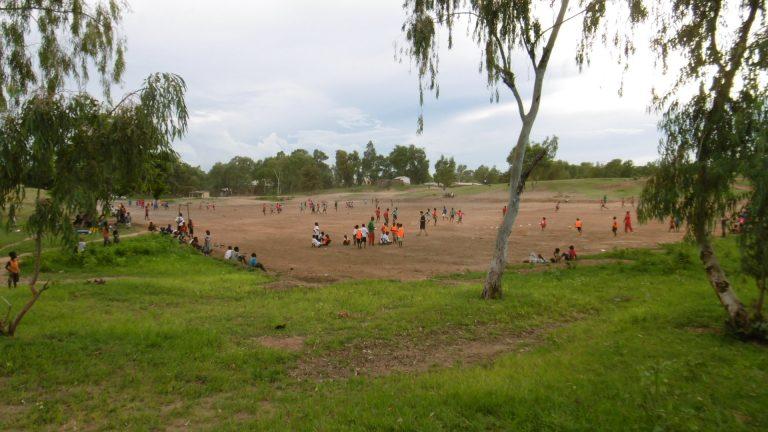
x=492, y=288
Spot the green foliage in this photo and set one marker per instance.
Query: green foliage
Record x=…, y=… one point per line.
x=410, y=161
x=47, y=42
x=445, y=171
x=636, y=344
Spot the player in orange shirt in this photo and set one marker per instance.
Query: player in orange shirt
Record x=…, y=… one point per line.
x=615, y=226
x=578, y=225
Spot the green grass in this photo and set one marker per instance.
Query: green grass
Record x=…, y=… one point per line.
x=172, y=340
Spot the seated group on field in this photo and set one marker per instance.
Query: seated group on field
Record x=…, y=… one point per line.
x=557, y=256
x=233, y=254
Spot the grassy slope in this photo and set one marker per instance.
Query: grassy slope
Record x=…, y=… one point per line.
x=173, y=340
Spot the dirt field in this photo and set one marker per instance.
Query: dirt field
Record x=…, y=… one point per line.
x=282, y=241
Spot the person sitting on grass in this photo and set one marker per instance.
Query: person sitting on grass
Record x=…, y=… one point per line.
x=556, y=256
x=228, y=253
x=152, y=227
x=13, y=267
x=254, y=263
x=237, y=256
x=535, y=258
x=195, y=243
x=571, y=254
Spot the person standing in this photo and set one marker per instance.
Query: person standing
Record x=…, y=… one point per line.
x=628, y=223
x=422, y=223
x=615, y=226
x=13, y=267
x=371, y=232
x=207, y=243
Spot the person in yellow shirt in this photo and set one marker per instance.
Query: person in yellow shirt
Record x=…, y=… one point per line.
x=14, y=270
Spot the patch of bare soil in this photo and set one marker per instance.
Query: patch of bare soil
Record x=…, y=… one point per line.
x=291, y=343
x=704, y=330
x=415, y=354
x=282, y=241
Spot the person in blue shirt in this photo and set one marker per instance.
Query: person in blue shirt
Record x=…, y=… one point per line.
x=254, y=263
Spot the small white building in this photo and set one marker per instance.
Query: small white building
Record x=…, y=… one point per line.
x=403, y=179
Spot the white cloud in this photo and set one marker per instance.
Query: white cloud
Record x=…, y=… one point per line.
x=266, y=76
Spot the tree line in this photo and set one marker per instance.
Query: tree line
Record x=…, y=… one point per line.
x=305, y=171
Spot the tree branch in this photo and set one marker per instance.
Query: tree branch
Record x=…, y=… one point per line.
x=46, y=9
x=543, y=32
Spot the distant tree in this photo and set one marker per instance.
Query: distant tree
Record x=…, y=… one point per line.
x=370, y=165
x=539, y=156
x=88, y=152
x=445, y=172
x=311, y=178
x=345, y=170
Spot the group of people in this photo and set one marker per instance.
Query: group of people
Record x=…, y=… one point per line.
x=558, y=256
x=252, y=262
x=579, y=224
x=184, y=232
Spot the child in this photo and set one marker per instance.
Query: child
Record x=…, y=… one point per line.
x=13, y=267
x=358, y=233
x=228, y=253
x=460, y=216
x=105, y=235
x=316, y=232
x=386, y=216
x=115, y=237
x=543, y=223
x=504, y=211
x=207, y=243
x=445, y=212
x=556, y=256
x=346, y=241
x=422, y=223
x=400, y=234
x=254, y=263
x=628, y=223
x=571, y=254
x=378, y=214
x=453, y=215
x=326, y=240
x=557, y=207
x=434, y=215
x=615, y=226
x=364, y=235
x=578, y=225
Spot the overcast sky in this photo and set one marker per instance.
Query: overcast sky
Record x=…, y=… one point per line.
x=265, y=76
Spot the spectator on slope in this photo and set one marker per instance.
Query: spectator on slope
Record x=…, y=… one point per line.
x=254, y=263
x=228, y=254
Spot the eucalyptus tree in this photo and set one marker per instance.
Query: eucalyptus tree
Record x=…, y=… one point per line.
x=504, y=31
x=724, y=45
x=47, y=42
x=445, y=172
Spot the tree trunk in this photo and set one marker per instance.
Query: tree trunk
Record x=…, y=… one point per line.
x=34, y=291
x=492, y=288
x=737, y=313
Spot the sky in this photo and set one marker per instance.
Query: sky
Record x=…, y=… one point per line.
x=269, y=76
